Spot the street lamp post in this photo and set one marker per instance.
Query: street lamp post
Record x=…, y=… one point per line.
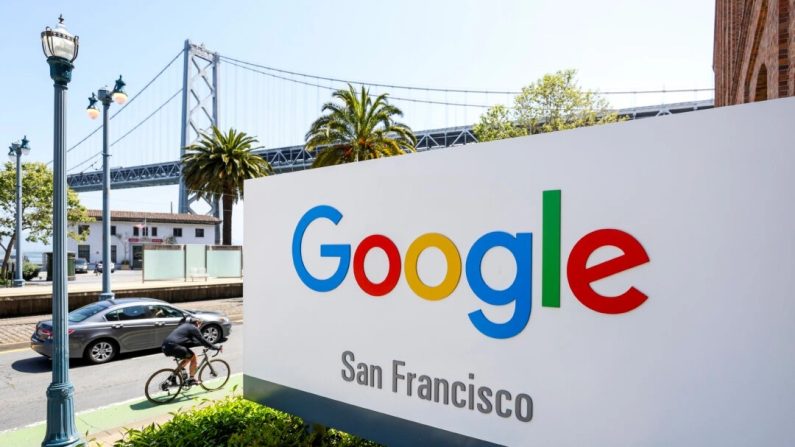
x=106, y=97
x=60, y=47
x=16, y=151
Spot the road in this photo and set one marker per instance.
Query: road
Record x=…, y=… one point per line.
x=25, y=375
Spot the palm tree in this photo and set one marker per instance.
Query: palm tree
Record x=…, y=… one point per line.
x=361, y=128
x=216, y=166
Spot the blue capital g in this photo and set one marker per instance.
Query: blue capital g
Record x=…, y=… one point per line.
x=341, y=251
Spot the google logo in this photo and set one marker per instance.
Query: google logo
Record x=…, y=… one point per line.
x=580, y=276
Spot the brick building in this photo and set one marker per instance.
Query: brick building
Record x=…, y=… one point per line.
x=754, y=53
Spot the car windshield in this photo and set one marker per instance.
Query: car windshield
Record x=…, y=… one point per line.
x=84, y=312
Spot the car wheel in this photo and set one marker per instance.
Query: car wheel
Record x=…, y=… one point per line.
x=101, y=351
x=211, y=333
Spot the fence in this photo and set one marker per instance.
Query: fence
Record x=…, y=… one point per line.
x=191, y=262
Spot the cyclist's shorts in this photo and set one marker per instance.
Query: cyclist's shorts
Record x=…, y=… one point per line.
x=178, y=351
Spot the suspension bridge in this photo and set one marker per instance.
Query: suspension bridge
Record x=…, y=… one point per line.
x=277, y=106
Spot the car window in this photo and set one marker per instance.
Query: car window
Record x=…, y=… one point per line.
x=84, y=312
x=129, y=313
x=165, y=312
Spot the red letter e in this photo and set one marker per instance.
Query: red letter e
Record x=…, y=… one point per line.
x=581, y=277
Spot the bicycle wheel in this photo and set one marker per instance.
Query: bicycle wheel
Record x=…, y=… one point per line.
x=214, y=374
x=163, y=386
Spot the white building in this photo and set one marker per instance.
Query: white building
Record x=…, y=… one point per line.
x=131, y=230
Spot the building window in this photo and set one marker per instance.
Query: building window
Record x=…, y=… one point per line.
x=200, y=232
x=135, y=231
x=84, y=251
x=113, y=230
x=154, y=231
x=82, y=229
x=113, y=254
x=761, y=84
x=146, y=231
x=177, y=232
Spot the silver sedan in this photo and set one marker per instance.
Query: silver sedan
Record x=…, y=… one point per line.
x=99, y=331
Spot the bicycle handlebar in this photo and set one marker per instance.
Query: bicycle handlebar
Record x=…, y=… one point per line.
x=217, y=351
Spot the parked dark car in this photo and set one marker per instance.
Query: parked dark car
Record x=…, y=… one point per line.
x=81, y=265
x=101, y=330
x=98, y=267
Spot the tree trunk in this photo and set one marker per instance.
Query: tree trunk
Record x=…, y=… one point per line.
x=227, y=201
x=4, y=270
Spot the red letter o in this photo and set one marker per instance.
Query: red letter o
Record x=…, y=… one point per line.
x=393, y=256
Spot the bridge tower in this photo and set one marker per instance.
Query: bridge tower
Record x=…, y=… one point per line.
x=199, y=113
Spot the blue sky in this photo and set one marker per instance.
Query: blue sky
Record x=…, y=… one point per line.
x=497, y=45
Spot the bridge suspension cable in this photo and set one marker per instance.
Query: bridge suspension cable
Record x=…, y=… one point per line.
x=130, y=101
x=140, y=123
x=325, y=87
x=235, y=61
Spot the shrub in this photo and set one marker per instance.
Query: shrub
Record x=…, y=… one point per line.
x=30, y=271
x=237, y=422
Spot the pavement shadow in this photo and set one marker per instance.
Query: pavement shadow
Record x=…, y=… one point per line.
x=35, y=365
x=41, y=364
x=32, y=365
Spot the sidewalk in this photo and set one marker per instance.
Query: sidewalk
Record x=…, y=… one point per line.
x=15, y=332
x=45, y=288
x=106, y=425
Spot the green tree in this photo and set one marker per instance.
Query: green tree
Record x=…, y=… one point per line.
x=37, y=193
x=216, y=166
x=497, y=123
x=554, y=102
x=360, y=128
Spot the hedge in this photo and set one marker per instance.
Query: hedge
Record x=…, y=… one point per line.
x=237, y=422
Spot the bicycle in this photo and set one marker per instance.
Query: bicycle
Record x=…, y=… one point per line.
x=165, y=384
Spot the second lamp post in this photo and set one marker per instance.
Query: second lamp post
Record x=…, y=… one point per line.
x=17, y=150
x=106, y=97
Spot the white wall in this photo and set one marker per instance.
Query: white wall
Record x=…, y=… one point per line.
x=125, y=230
x=707, y=359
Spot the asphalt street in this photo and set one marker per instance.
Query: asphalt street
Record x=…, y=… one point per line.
x=25, y=375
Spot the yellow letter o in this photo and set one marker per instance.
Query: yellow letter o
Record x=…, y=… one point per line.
x=451, y=278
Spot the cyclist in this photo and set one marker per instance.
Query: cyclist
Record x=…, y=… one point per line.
x=180, y=339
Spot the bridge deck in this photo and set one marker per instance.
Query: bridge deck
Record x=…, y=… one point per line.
x=296, y=158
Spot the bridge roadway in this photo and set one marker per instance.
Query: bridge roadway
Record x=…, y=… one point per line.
x=296, y=158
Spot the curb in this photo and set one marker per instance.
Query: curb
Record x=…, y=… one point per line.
x=13, y=346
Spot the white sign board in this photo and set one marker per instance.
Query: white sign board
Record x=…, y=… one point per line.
x=628, y=284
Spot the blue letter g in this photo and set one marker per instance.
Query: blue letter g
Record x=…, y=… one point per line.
x=341, y=251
